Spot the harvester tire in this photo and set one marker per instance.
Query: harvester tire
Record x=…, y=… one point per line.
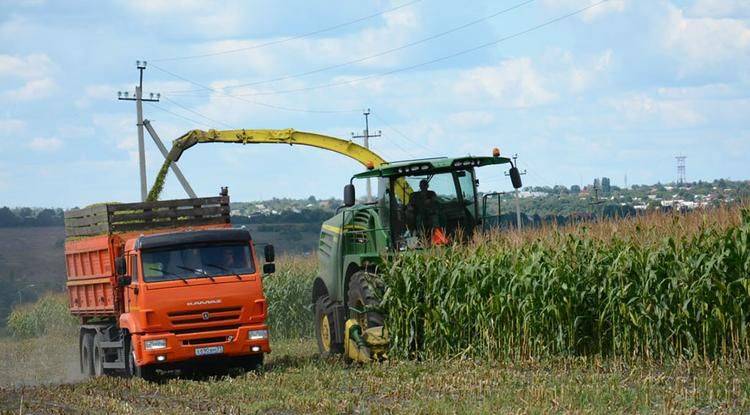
x=325, y=328
x=362, y=298
x=87, y=354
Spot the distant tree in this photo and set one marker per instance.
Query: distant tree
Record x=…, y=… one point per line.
x=575, y=189
x=7, y=218
x=25, y=212
x=47, y=217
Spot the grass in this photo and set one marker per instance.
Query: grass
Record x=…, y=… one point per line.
x=295, y=380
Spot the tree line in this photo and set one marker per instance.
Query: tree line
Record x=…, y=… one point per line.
x=26, y=217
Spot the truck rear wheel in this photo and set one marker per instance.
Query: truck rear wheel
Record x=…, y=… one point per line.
x=98, y=356
x=325, y=328
x=362, y=298
x=87, y=354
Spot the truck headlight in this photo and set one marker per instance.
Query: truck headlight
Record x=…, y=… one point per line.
x=156, y=344
x=257, y=334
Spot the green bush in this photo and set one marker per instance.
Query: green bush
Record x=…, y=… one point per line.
x=49, y=315
x=668, y=287
x=288, y=293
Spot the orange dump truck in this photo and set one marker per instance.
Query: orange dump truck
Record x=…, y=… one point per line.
x=165, y=285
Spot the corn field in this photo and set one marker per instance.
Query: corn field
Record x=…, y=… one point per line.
x=656, y=287
x=47, y=315
x=288, y=292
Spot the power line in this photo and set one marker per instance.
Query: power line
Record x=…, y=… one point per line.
x=202, y=124
x=382, y=53
x=196, y=112
x=429, y=62
x=278, y=107
x=300, y=36
x=397, y=131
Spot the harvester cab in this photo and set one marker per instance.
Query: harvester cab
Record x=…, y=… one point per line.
x=429, y=201
x=420, y=203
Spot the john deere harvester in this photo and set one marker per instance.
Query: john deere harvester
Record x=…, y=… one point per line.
x=419, y=203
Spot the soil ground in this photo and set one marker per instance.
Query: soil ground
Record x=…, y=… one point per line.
x=37, y=376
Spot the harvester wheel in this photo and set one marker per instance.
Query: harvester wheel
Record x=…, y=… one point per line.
x=362, y=298
x=87, y=354
x=325, y=328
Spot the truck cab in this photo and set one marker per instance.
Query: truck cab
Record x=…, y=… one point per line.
x=185, y=297
x=193, y=294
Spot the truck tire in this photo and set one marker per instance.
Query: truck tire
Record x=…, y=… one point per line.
x=132, y=370
x=251, y=362
x=361, y=298
x=87, y=354
x=325, y=328
x=98, y=356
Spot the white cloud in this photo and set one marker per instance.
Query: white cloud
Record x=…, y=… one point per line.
x=211, y=19
x=721, y=8
x=395, y=28
x=514, y=83
x=32, y=66
x=603, y=9
x=644, y=108
x=470, y=119
x=45, y=144
x=10, y=127
x=33, y=90
x=706, y=42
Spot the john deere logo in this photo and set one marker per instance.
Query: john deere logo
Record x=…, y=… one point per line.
x=205, y=315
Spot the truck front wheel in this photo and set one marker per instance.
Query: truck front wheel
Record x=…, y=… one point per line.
x=87, y=354
x=133, y=370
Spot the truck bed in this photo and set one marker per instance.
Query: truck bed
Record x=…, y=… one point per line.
x=95, y=237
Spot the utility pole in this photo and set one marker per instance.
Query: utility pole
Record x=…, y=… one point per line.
x=367, y=136
x=681, y=168
x=173, y=165
x=138, y=98
x=597, y=202
x=518, y=203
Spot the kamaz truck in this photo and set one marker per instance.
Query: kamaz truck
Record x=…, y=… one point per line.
x=165, y=285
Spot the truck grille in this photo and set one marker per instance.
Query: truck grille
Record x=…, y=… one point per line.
x=228, y=314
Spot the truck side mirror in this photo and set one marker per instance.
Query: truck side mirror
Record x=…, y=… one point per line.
x=124, y=280
x=515, y=177
x=120, y=267
x=269, y=253
x=269, y=268
x=349, y=195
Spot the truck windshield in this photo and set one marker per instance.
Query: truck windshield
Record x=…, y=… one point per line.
x=196, y=261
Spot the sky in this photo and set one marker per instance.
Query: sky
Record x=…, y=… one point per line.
x=578, y=89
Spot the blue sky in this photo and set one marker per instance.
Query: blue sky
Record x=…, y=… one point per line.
x=616, y=90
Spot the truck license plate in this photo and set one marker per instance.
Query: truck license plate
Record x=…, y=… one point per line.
x=205, y=351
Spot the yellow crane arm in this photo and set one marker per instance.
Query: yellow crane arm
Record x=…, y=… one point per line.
x=287, y=136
